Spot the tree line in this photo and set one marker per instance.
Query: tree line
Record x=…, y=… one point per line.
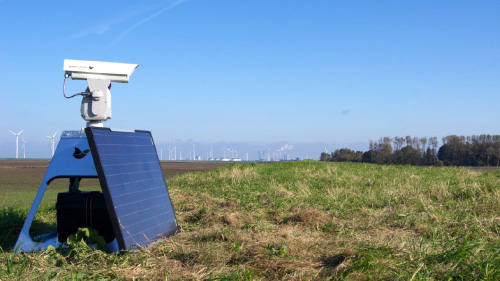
x=477, y=150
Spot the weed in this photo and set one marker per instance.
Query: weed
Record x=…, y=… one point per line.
x=274, y=250
x=236, y=246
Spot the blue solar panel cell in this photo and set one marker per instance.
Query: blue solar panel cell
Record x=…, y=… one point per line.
x=133, y=185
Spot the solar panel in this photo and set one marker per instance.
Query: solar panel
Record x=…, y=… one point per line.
x=133, y=185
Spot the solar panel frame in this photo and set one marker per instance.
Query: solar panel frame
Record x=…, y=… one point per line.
x=126, y=162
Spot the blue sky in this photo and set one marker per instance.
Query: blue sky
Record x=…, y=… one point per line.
x=256, y=73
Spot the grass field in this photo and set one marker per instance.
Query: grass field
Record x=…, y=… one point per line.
x=298, y=221
x=20, y=179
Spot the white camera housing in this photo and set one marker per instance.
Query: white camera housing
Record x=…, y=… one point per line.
x=96, y=102
x=112, y=71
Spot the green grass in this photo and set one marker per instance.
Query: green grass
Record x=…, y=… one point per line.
x=300, y=221
x=24, y=195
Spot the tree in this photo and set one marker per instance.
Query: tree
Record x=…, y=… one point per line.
x=476, y=150
x=324, y=156
x=423, y=144
x=496, y=153
x=411, y=156
x=343, y=155
x=453, y=152
x=490, y=151
x=368, y=157
x=431, y=158
x=409, y=140
x=398, y=143
x=433, y=143
x=359, y=156
x=416, y=144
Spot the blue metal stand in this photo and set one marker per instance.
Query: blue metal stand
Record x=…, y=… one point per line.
x=66, y=163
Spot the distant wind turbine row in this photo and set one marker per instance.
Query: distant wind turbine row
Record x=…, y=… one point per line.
x=24, y=143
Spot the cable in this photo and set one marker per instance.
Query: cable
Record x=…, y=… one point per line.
x=66, y=76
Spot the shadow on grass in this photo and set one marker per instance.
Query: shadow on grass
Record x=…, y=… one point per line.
x=11, y=223
x=332, y=262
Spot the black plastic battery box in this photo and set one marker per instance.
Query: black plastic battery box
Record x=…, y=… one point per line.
x=82, y=209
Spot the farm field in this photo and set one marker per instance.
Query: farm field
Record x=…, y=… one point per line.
x=20, y=179
x=294, y=221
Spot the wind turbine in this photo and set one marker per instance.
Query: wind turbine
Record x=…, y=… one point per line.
x=24, y=148
x=52, y=141
x=17, y=140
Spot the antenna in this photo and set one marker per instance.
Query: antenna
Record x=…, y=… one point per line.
x=52, y=141
x=24, y=148
x=17, y=140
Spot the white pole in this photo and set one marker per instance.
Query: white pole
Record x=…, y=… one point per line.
x=24, y=148
x=53, y=142
x=17, y=141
